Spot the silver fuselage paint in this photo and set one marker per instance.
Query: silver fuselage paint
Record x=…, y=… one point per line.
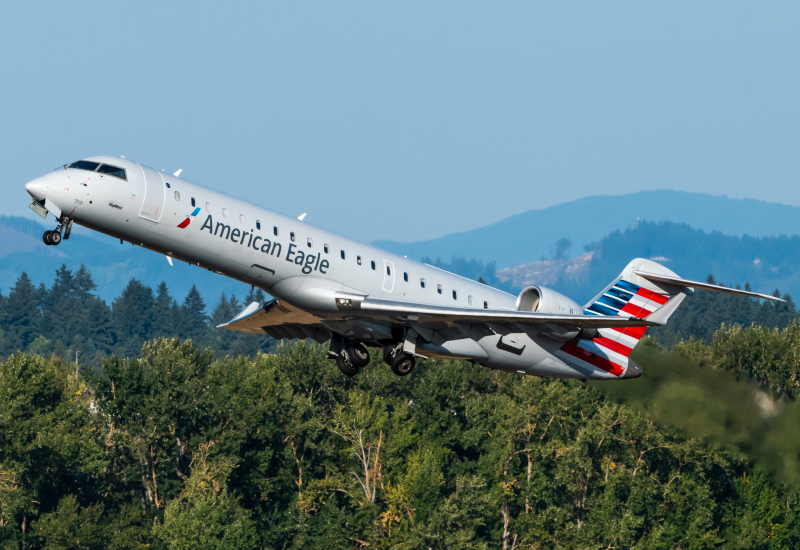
x=223, y=237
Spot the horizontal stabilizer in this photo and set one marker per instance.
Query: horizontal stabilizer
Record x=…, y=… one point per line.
x=677, y=281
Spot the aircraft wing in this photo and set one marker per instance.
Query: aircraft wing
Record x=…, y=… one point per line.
x=280, y=320
x=419, y=314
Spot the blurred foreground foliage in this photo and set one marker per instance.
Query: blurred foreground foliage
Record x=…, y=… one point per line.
x=176, y=449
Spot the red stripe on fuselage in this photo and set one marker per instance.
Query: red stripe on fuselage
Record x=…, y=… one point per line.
x=633, y=332
x=184, y=223
x=612, y=345
x=592, y=358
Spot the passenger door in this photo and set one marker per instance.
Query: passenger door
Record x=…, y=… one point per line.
x=388, y=276
x=154, y=195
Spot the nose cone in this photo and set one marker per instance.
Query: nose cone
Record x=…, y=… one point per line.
x=37, y=188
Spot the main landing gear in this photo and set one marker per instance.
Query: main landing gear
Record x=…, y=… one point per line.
x=351, y=356
x=53, y=238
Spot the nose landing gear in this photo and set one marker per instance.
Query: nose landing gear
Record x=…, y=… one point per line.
x=53, y=238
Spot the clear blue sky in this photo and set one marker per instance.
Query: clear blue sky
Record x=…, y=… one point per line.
x=408, y=120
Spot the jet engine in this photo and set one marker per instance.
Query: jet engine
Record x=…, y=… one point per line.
x=545, y=300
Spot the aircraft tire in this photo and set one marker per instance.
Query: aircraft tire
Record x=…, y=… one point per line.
x=345, y=365
x=402, y=364
x=46, y=238
x=359, y=355
x=55, y=238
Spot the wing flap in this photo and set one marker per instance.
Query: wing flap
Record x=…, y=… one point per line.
x=279, y=320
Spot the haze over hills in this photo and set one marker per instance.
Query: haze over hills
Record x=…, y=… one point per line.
x=531, y=235
x=111, y=264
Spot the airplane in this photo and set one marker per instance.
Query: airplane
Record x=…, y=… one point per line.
x=326, y=287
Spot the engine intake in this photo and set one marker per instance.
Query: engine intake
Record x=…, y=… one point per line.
x=544, y=300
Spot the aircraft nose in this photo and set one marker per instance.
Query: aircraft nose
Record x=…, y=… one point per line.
x=37, y=188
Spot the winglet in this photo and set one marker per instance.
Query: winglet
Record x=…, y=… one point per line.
x=178, y=173
x=301, y=216
x=677, y=281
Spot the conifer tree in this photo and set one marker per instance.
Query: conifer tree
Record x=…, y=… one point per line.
x=193, y=317
x=163, y=314
x=133, y=317
x=21, y=319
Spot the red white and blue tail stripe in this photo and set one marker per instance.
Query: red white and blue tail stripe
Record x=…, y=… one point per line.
x=610, y=349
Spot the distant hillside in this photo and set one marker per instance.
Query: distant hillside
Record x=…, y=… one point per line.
x=112, y=265
x=529, y=236
x=767, y=263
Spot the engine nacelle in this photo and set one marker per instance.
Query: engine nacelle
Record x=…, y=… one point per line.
x=545, y=300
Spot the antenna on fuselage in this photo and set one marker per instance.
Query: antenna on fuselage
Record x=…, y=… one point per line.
x=178, y=173
x=301, y=216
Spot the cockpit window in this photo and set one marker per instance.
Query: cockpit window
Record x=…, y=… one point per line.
x=85, y=165
x=112, y=171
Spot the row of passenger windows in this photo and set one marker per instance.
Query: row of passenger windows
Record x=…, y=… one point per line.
x=326, y=248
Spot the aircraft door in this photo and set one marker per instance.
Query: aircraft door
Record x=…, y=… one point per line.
x=388, y=276
x=154, y=195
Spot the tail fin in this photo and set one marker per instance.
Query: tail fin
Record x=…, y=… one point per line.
x=631, y=295
x=646, y=290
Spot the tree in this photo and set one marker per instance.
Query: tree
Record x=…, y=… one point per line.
x=133, y=316
x=193, y=317
x=21, y=316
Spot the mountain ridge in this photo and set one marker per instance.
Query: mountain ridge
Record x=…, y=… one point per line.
x=589, y=219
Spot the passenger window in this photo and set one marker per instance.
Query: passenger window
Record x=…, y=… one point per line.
x=358, y=260
x=275, y=230
x=258, y=225
x=325, y=248
x=310, y=242
x=241, y=218
x=208, y=207
x=177, y=196
x=343, y=254
x=439, y=289
x=388, y=270
x=485, y=305
x=405, y=277
x=194, y=203
x=224, y=210
x=422, y=283
x=455, y=295
x=372, y=264
x=291, y=236
x=469, y=300
x=112, y=171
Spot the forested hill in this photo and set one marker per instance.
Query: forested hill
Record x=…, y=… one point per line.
x=112, y=264
x=69, y=319
x=533, y=235
x=767, y=263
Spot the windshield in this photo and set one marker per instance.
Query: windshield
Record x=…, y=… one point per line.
x=85, y=165
x=112, y=171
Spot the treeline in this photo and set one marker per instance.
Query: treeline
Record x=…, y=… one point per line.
x=68, y=320
x=178, y=450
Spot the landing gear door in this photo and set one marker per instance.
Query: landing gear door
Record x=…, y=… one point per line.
x=388, y=276
x=154, y=195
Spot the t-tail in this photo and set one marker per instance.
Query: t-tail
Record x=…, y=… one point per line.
x=646, y=290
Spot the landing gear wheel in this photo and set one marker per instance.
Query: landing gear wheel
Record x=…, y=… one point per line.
x=402, y=364
x=346, y=365
x=46, y=238
x=359, y=355
x=388, y=353
x=55, y=238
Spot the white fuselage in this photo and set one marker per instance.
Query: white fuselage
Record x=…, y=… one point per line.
x=283, y=255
